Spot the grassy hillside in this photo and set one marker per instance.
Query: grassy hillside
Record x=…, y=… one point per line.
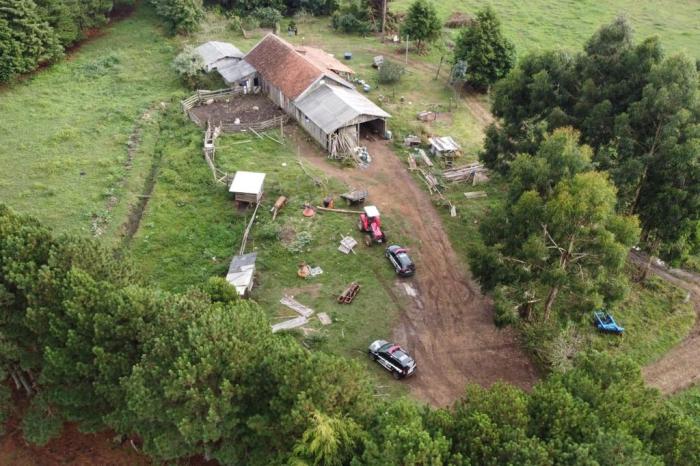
x=542, y=24
x=64, y=130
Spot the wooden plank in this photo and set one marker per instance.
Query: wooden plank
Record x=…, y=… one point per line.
x=340, y=211
x=296, y=306
x=475, y=195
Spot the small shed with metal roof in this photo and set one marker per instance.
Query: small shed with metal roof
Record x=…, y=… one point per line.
x=247, y=186
x=241, y=272
x=217, y=54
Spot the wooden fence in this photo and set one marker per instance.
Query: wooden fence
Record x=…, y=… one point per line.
x=203, y=95
x=228, y=127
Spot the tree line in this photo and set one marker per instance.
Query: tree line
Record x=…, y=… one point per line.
x=36, y=32
x=200, y=373
x=601, y=152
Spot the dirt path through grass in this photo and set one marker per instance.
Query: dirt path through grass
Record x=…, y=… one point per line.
x=679, y=368
x=448, y=324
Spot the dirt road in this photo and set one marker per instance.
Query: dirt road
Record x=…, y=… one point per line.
x=679, y=368
x=448, y=324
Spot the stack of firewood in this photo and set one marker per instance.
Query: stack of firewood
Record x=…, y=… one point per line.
x=472, y=173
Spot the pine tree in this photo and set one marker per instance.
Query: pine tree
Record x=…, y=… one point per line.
x=422, y=24
x=26, y=40
x=488, y=55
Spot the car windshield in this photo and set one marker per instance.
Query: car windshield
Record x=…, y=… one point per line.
x=404, y=260
x=402, y=357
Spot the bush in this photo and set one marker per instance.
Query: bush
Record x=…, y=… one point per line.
x=267, y=16
x=189, y=66
x=183, y=16
x=250, y=22
x=390, y=72
x=349, y=23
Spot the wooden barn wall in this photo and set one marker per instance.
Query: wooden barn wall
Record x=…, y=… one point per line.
x=311, y=128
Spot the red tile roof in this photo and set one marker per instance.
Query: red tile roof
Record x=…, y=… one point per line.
x=282, y=66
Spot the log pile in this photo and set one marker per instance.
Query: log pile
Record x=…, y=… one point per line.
x=466, y=173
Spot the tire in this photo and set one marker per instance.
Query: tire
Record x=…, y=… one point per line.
x=368, y=240
x=372, y=356
x=359, y=225
x=396, y=375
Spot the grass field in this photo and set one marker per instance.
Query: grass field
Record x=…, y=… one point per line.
x=64, y=129
x=543, y=24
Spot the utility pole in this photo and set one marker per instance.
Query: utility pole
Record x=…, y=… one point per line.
x=407, y=49
x=384, y=20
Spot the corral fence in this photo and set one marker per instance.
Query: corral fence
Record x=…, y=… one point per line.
x=203, y=96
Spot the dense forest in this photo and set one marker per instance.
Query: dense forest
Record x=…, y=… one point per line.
x=35, y=32
x=200, y=373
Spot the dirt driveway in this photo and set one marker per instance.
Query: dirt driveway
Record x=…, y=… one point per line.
x=446, y=322
x=679, y=368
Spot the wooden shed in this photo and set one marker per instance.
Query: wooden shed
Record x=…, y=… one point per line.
x=247, y=187
x=241, y=272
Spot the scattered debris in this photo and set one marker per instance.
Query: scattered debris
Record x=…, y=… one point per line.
x=412, y=162
x=378, y=61
x=465, y=172
x=324, y=318
x=430, y=180
x=347, y=245
x=309, y=210
x=329, y=202
x=427, y=115
x=475, y=195
x=296, y=306
x=289, y=324
x=349, y=294
x=411, y=140
x=420, y=154
x=315, y=271
x=362, y=157
x=357, y=196
x=304, y=270
x=279, y=203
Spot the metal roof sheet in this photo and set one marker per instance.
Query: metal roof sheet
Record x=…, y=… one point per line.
x=247, y=182
x=444, y=144
x=213, y=51
x=243, y=262
x=235, y=72
x=331, y=107
x=323, y=59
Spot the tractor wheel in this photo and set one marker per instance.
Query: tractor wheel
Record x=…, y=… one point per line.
x=368, y=240
x=359, y=225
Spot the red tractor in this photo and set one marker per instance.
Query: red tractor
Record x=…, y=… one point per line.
x=370, y=222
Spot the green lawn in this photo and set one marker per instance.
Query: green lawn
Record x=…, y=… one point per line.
x=543, y=24
x=64, y=129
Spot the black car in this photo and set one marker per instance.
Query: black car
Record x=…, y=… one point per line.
x=399, y=258
x=394, y=358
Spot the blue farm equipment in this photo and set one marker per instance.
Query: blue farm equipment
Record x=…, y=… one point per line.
x=606, y=323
